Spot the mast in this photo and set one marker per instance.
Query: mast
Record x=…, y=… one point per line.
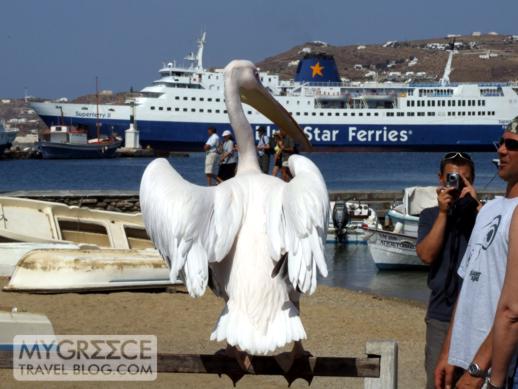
x=97, y=122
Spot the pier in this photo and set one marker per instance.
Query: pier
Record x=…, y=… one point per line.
x=128, y=201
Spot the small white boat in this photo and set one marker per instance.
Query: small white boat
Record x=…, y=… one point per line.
x=11, y=253
x=395, y=248
x=14, y=323
x=7, y=136
x=390, y=250
x=76, y=270
x=353, y=230
x=25, y=220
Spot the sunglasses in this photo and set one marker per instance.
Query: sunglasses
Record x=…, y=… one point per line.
x=457, y=154
x=510, y=144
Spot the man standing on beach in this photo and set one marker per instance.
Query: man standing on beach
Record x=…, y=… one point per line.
x=442, y=238
x=263, y=150
x=211, y=155
x=469, y=343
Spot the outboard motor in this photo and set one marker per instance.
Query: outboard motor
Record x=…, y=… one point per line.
x=340, y=220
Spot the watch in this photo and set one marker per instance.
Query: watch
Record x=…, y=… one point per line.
x=474, y=370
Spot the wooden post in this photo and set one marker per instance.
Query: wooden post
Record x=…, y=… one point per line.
x=387, y=351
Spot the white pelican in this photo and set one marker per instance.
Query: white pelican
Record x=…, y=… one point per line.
x=254, y=239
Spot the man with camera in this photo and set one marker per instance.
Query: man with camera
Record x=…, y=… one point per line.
x=442, y=239
x=488, y=260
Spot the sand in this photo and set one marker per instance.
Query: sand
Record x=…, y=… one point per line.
x=338, y=322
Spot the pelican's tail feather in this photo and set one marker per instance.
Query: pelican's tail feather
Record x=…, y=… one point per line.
x=235, y=327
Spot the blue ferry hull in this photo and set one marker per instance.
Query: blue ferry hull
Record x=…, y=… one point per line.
x=187, y=136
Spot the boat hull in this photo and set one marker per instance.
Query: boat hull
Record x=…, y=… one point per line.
x=190, y=136
x=74, y=270
x=53, y=150
x=392, y=251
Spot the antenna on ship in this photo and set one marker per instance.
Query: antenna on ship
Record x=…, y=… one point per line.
x=445, y=80
x=199, y=54
x=97, y=121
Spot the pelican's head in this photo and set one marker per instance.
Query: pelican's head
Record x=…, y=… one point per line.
x=252, y=92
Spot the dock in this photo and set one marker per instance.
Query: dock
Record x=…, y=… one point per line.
x=128, y=201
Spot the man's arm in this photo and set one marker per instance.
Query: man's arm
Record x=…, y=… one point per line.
x=505, y=327
x=429, y=248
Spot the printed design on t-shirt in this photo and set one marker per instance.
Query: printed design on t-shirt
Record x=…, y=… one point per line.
x=487, y=237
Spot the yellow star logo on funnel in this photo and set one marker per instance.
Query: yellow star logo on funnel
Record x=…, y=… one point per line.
x=317, y=70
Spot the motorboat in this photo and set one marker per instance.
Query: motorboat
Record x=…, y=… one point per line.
x=348, y=221
x=393, y=247
x=7, y=136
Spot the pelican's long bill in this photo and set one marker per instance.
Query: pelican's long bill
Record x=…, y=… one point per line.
x=259, y=98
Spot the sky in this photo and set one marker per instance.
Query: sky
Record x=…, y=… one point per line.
x=56, y=48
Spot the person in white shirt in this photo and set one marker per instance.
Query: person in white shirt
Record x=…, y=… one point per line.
x=471, y=343
x=263, y=150
x=211, y=156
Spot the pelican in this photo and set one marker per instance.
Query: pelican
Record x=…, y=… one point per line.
x=256, y=240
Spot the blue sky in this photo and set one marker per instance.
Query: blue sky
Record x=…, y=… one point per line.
x=56, y=48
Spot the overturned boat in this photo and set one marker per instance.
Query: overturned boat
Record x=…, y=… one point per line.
x=79, y=270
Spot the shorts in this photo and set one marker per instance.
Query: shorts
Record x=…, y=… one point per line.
x=226, y=171
x=211, y=163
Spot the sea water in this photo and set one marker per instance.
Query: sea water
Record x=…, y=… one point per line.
x=350, y=266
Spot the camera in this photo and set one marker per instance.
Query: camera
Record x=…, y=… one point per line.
x=454, y=180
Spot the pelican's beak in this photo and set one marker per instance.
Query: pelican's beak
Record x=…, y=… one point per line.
x=258, y=97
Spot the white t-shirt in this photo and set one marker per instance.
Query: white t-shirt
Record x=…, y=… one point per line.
x=228, y=147
x=213, y=142
x=483, y=269
x=263, y=141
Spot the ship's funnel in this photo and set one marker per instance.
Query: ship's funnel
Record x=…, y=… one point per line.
x=317, y=68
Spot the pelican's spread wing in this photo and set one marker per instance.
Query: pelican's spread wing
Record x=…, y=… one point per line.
x=189, y=224
x=297, y=224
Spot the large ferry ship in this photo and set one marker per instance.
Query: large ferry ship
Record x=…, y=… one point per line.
x=173, y=113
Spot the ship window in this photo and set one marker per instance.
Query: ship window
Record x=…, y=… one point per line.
x=225, y=111
x=177, y=109
x=483, y=103
x=390, y=113
x=345, y=113
x=305, y=114
x=431, y=113
x=218, y=111
x=209, y=99
x=337, y=114
x=410, y=114
x=168, y=108
x=177, y=97
x=217, y=100
x=201, y=109
x=152, y=108
x=352, y=114
x=84, y=108
x=193, y=110
x=420, y=114
x=360, y=114
x=408, y=103
x=400, y=114
x=375, y=114
x=321, y=113
x=249, y=112
x=160, y=108
x=313, y=114
x=202, y=99
x=329, y=114
x=297, y=113
x=185, y=97
x=185, y=109
x=193, y=98
x=368, y=114
x=209, y=110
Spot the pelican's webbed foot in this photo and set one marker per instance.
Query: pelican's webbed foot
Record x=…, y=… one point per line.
x=287, y=360
x=242, y=359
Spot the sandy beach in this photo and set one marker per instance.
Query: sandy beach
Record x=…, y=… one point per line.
x=338, y=322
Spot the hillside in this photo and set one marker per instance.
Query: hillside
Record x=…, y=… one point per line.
x=501, y=63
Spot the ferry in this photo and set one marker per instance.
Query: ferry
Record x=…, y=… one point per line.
x=173, y=113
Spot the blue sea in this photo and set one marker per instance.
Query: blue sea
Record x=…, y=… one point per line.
x=350, y=266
